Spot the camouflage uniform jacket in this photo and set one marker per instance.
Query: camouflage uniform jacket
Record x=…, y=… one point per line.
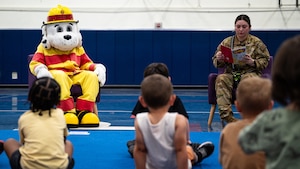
x=254, y=47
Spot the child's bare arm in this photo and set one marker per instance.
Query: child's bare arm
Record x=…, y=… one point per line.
x=188, y=131
x=140, y=150
x=180, y=141
x=22, y=137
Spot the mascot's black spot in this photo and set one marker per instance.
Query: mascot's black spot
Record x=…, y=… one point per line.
x=44, y=41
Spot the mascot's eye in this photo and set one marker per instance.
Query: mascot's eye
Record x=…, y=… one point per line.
x=59, y=29
x=69, y=29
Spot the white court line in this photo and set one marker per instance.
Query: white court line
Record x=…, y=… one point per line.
x=84, y=130
x=79, y=133
x=103, y=128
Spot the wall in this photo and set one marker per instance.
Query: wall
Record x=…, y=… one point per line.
x=143, y=14
x=122, y=35
x=126, y=52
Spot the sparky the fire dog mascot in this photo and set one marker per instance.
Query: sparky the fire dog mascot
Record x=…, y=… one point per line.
x=60, y=55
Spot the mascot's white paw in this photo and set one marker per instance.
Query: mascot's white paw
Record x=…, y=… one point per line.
x=42, y=71
x=100, y=70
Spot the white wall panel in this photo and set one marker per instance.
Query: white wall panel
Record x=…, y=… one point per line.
x=143, y=14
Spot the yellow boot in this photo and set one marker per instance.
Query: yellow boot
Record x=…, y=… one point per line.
x=71, y=120
x=88, y=119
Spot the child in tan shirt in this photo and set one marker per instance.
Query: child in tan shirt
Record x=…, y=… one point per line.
x=253, y=96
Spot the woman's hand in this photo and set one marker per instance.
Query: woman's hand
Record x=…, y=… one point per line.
x=248, y=60
x=220, y=56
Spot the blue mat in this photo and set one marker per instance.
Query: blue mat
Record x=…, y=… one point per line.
x=108, y=150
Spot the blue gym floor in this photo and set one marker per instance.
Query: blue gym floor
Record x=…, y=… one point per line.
x=107, y=148
x=115, y=107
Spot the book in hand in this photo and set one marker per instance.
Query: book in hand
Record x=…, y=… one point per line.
x=235, y=55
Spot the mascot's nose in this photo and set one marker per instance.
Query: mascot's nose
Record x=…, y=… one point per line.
x=68, y=37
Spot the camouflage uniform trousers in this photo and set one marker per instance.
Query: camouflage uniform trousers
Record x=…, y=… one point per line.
x=224, y=86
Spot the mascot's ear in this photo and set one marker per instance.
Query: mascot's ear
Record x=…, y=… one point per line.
x=45, y=41
x=79, y=40
x=79, y=36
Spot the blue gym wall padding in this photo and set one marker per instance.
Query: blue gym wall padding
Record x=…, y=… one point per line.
x=126, y=52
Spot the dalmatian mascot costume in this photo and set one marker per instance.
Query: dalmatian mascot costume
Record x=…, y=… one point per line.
x=60, y=55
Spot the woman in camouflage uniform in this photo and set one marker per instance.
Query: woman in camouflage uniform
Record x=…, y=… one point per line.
x=251, y=64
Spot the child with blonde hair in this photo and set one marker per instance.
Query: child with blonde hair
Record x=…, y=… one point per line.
x=253, y=96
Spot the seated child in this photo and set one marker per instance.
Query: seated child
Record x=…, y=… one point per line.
x=172, y=141
x=253, y=96
x=205, y=149
x=159, y=68
x=42, y=131
x=1, y=146
x=276, y=131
